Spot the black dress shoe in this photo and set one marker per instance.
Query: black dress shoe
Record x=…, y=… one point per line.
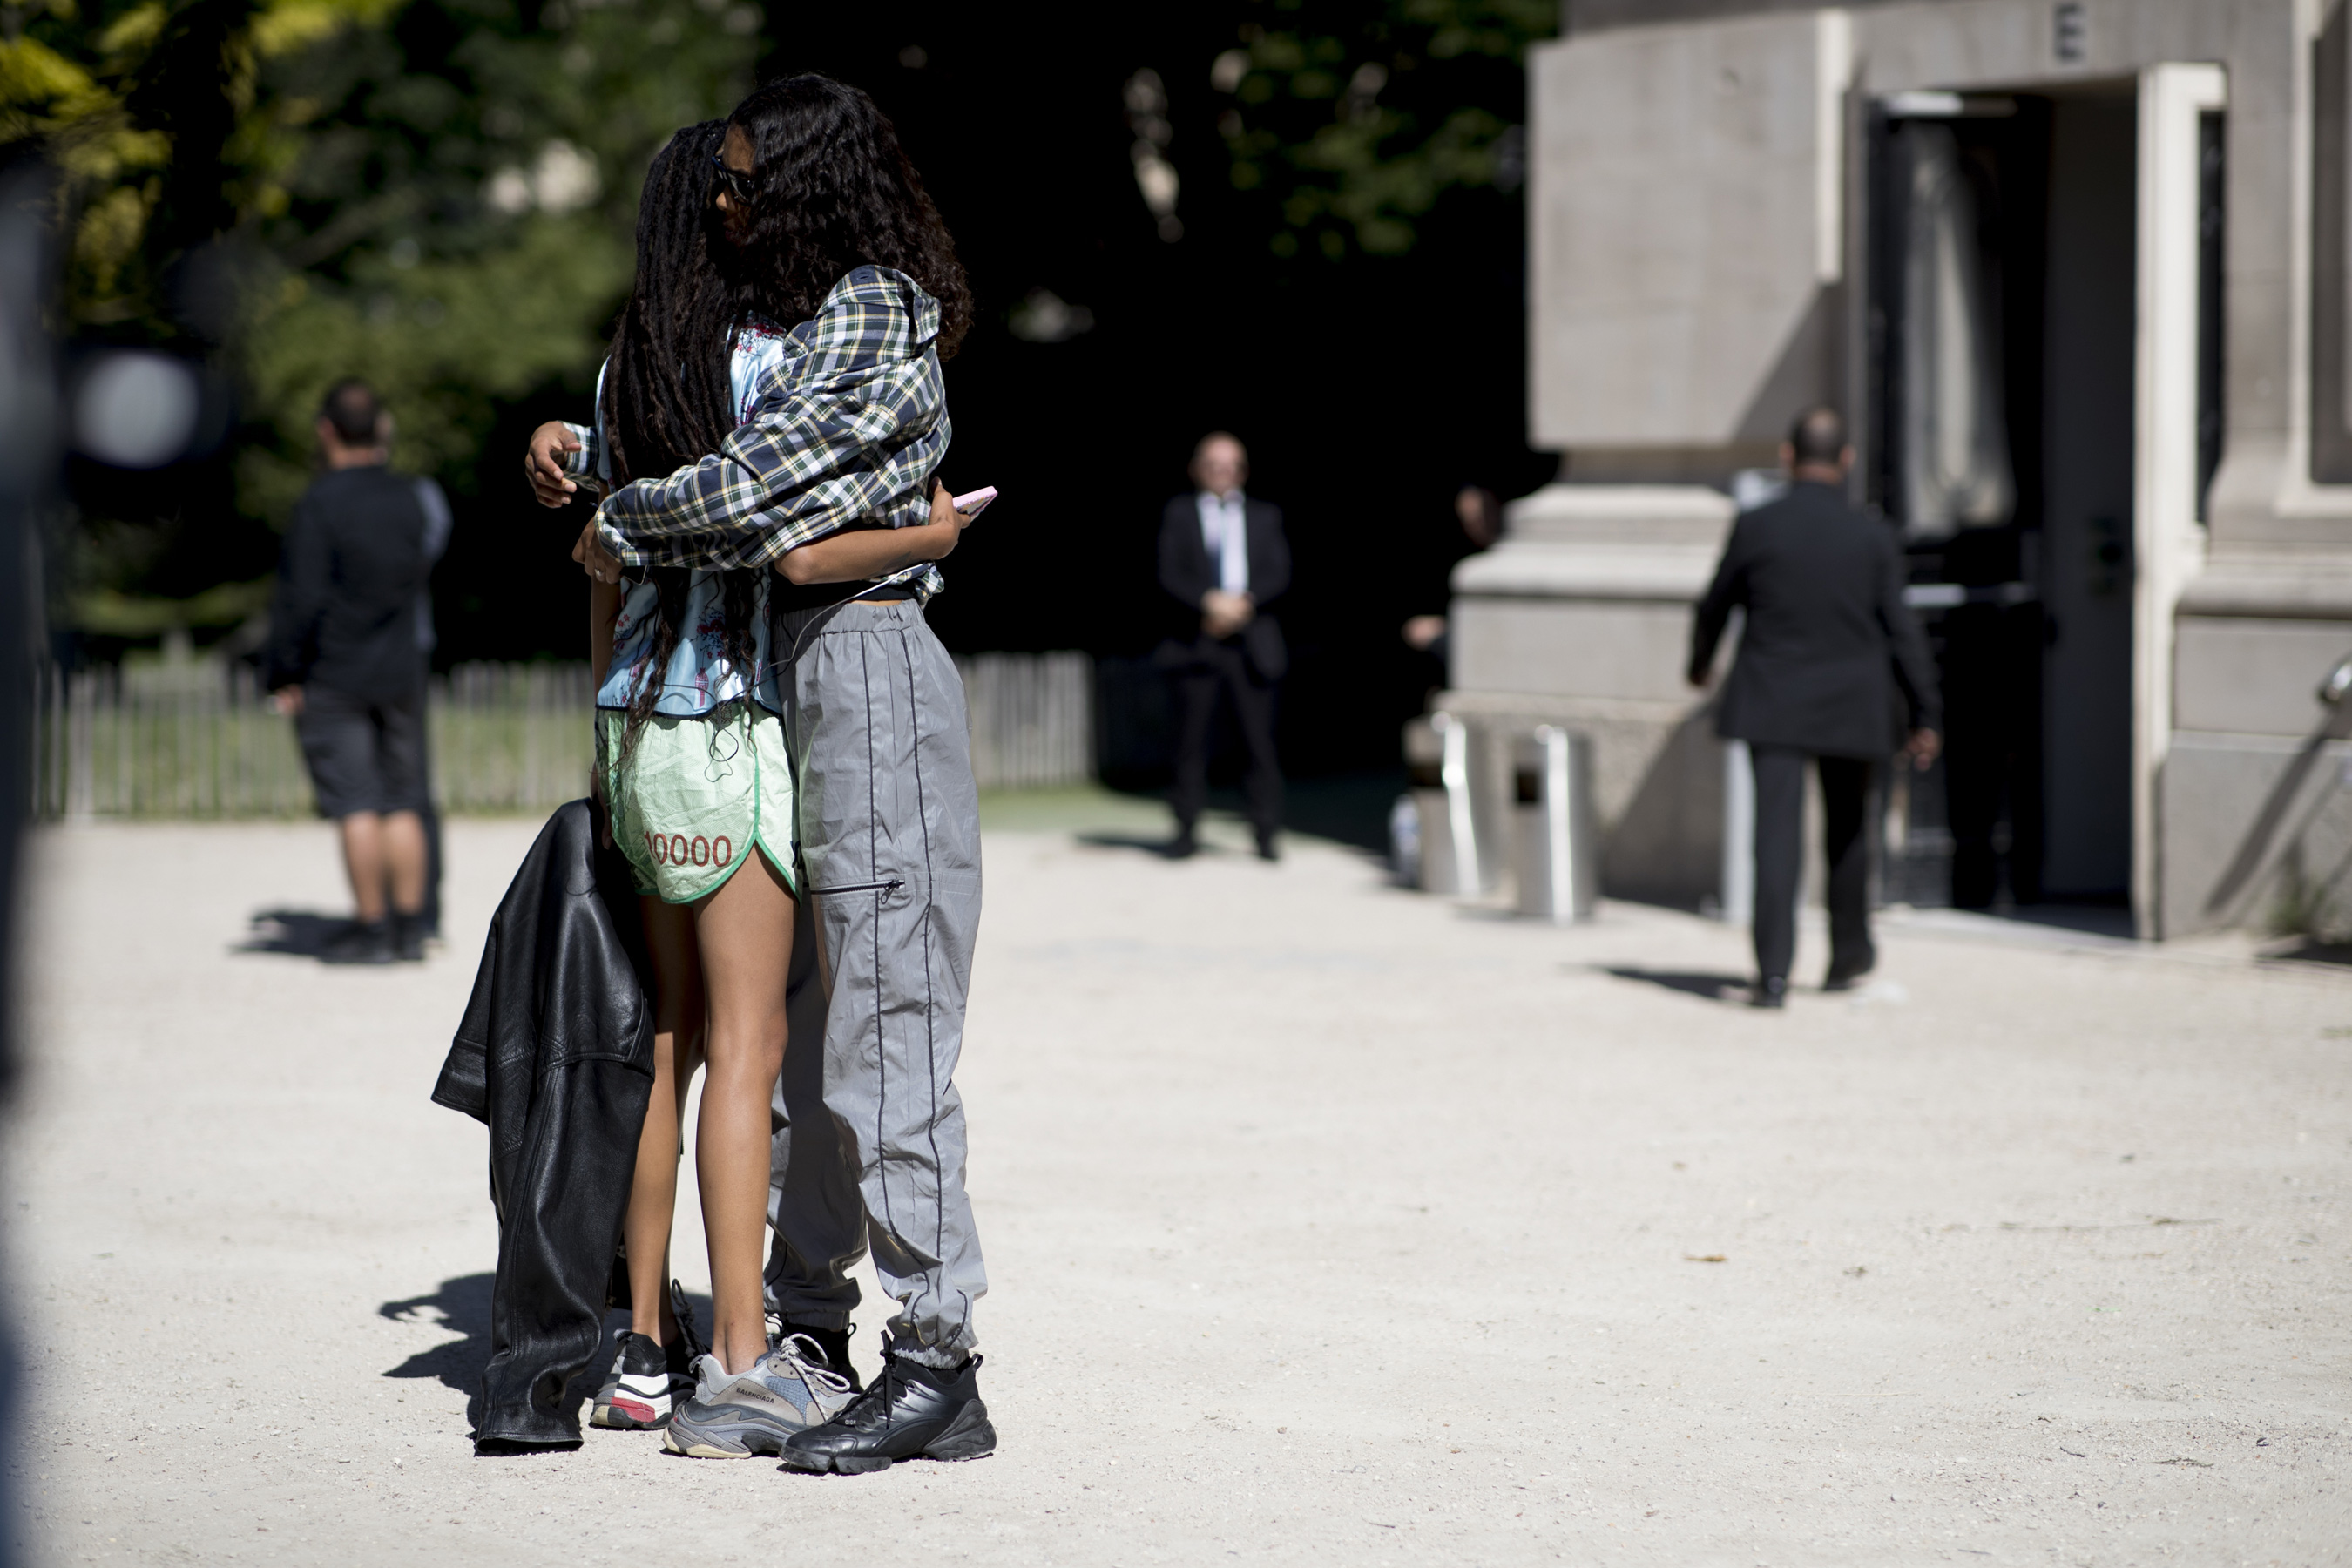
x=1267, y=849
x=360, y=942
x=1183, y=846
x=1845, y=974
x=1768, y=994
x=408, y=937
x=910, y=1412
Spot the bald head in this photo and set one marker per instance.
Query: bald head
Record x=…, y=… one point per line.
x=1816, y=448
x=1220, y=463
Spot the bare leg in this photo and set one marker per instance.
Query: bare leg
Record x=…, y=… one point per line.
x=404, y=857
x=745, y=932
x=364, y=861
x=652, y=1196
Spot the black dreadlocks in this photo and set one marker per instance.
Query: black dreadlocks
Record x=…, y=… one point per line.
x=669, y=398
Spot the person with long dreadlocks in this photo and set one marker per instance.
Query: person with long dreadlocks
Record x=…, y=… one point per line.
x=838, y=240
x=700, y=797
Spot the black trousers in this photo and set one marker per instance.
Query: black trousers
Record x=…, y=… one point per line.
x=1780, y=853
x=1221, y=666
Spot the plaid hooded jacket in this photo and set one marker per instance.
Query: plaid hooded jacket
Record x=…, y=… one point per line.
x=848, y=428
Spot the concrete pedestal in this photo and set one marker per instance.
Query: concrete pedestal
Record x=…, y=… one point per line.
x=1581, y=617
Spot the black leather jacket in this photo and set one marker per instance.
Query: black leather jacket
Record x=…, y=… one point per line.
x=556, y=1055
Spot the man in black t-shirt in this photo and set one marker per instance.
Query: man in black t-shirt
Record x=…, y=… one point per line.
x=345, y=663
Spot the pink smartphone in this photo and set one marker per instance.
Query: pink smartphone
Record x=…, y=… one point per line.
x=976, y=501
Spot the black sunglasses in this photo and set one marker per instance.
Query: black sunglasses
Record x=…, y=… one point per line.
x=739, y=185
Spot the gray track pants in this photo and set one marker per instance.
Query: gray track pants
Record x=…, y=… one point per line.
x=890, y=840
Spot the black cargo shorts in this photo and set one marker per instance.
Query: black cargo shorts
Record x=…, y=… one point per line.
x=363, y=755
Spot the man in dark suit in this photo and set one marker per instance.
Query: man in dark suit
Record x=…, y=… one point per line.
x=1224, y=558
x=1827, y=644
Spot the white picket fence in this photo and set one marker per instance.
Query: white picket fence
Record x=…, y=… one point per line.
x=199, y=739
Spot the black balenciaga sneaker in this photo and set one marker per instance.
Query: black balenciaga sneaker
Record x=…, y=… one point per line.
x=912, y=1412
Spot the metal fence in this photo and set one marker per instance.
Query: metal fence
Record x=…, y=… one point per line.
x=200, y=739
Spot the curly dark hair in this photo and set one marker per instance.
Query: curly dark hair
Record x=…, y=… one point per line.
x=669, y=398
x=833, y=191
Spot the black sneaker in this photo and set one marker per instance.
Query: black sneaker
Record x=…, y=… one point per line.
x=408, y=937
x=833, y=1342
x=1768, y=994
x=360, y=942
x=1847, y=973
x=912, y=1412
x=646, y=1385
x=648, y=1381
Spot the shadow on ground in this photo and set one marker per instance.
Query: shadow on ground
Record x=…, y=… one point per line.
x=2111, y=920
x=1690, y=983
x=1160, y=846
x=2311, y=950
x=298, y=933
x=462, y=1306
x=1346, y=809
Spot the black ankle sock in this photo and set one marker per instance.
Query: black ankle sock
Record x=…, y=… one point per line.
x=833, y=1342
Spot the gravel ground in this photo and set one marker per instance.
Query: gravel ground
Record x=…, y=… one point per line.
x=1328, y=1223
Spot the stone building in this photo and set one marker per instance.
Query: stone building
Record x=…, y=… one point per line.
x=2076, y=270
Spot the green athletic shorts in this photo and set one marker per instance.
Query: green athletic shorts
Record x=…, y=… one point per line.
x=697, y=794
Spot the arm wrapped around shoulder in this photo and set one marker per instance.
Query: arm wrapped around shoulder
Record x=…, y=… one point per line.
x=850, y=429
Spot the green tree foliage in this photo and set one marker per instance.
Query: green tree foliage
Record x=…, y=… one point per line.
x=436, y=194
x=1353, y=120
x=457, y=222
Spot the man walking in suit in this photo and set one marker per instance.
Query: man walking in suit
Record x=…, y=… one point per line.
x=1828, y=642
x=1223, y=558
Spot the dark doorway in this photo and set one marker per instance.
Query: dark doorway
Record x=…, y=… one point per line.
x=2001, y=321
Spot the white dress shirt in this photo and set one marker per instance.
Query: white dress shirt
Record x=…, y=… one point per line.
x=1225, y=528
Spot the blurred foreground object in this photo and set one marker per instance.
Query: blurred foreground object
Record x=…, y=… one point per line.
x=29, y=462
x=27, y=481
x=134, y=409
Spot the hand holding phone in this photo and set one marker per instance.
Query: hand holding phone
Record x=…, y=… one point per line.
x=973, y=502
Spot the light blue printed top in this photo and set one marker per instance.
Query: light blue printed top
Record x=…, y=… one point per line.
x=700, y=676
